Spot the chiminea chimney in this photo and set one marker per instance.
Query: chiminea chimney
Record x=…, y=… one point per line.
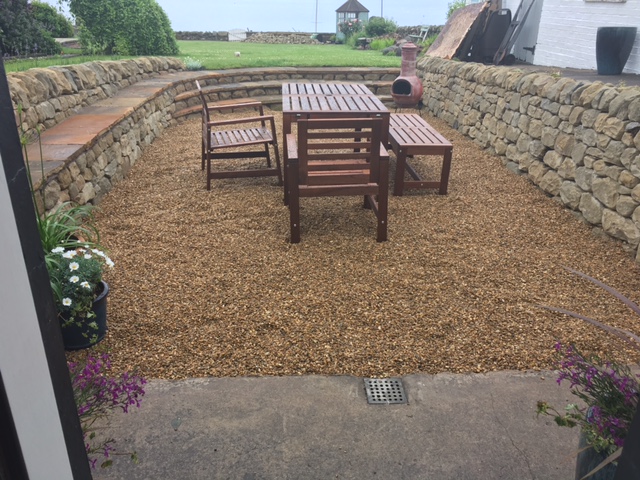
x=407, y=88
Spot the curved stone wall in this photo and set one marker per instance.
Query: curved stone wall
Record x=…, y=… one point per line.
x=49, y=95
x=578, y=141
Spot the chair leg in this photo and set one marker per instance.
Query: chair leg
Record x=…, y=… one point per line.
x=383, y=201
x=277, y=155
x=294, y=203
x=267, y=154
x=208, y=172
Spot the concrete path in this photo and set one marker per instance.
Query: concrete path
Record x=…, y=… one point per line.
x=315, y=427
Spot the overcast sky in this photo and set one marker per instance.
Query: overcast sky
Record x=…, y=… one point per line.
x=290, y=15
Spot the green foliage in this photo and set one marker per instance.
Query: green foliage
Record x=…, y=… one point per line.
x=378, y=26
x=125, y=27
x=382, y=43
x=20, y=33
x=429, y=41
x=192, y=63
x=52, y=21
x=351, y=41
x=453, y=6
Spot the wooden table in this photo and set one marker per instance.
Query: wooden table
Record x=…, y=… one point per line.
x=328, y=100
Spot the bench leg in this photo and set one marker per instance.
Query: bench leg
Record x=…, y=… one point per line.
x=444, y=176
x=401, y=163
x=383, y=202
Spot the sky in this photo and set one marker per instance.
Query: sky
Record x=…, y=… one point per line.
x=290, y=15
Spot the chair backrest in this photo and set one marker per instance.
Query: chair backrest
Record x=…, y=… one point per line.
x=337, y=147
x=205, y=110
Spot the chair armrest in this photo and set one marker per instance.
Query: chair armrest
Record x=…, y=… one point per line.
x=241, y=120
x=292, y=147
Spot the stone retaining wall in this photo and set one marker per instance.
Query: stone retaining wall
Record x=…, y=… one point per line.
x=281, y=38
x=49, y=95
x=210, y=36
x=577, y=141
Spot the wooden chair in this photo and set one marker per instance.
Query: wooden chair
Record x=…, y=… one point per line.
x=221, y=143
x=336, y=157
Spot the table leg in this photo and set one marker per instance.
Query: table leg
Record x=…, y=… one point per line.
x=286, y=129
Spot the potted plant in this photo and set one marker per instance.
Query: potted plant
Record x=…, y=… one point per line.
x=609, y=393
x=80, y=293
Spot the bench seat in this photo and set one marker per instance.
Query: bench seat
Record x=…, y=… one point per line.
x=410, y=135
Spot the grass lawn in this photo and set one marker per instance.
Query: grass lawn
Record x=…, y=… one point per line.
x=221, y=55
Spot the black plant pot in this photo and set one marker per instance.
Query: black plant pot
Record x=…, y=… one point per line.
x=77, y=337
x=613, y=47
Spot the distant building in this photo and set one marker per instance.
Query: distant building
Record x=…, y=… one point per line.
x=350, y=11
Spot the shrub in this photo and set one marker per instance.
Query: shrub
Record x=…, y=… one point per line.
x=378, y=26
x=429, y=41
x=192, y=63
x=382, y=43
x=453, y=6
x=350, y=27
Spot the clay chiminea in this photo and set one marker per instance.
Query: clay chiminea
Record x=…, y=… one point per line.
x=407, y=88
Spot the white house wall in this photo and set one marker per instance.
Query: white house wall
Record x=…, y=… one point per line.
x=567, y=31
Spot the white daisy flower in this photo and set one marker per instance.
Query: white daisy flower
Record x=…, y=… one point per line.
x=57, y=250
x=86, y=285
x=109, y=262
x=74, y=279
x=69, y=254
x=87, y=256
x=66, y=302
x=73, y=266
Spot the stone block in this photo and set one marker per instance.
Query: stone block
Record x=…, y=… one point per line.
x=64, y=179
x=627, y=179
x=549, y=136
x=570, y=194
x=536, y=171
x=626, y=205
x=567, y=169
x=577, y=153
x=523, y=142
x=551, y=183
x=584, y=178
x=564, y=144
x=51, y=194
x=617, y=226
x=537, y=149
x=606, y=191
x=591, y=209
x=589, y=117
x=553, y=159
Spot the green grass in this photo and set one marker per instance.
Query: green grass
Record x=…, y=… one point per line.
x=221, y=56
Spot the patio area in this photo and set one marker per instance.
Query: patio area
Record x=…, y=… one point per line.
x=207, y=283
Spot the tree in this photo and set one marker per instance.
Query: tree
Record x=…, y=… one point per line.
x=126, y=27
x=52, y=21
x=21, y=33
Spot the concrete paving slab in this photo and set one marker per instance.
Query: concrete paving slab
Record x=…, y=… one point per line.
x=316, y=427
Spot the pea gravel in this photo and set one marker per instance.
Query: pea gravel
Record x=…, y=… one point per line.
x=207, y=284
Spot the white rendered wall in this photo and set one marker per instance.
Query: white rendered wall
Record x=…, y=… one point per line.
x=24, y=368
x=567, y=33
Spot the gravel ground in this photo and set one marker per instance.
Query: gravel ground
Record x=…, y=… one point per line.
x=207, y=284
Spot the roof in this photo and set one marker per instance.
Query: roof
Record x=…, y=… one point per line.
x=352, y=6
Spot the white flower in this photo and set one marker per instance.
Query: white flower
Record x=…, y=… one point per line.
x=74, y=279
x=73, y=266
x=98, y=252
x=87, y=256
x=87, y=247
x=86, y=285
x=109, y=262
x=69, y=254
x=81, y=250
x=57, y=250
x=66, y=302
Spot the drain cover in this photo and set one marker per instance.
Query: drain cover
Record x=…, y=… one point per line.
x=384, y=390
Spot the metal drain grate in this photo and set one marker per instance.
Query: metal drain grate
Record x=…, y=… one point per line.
x=384, y=390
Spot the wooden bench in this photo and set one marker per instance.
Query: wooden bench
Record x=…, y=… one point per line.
x=409, y=135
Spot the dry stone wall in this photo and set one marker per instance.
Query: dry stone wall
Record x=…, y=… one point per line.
x=49, y=95
x=577, y=141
